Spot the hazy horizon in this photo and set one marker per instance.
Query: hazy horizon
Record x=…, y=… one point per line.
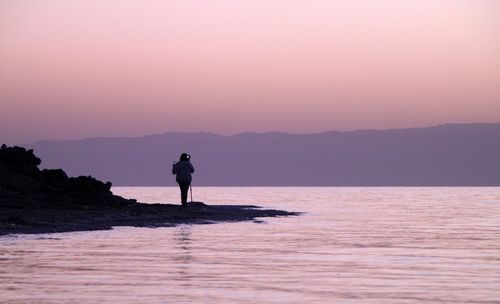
x=87, y=68
x=246, y=132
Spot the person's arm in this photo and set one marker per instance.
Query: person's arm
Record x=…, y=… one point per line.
x=191, y=168
x=174, y=168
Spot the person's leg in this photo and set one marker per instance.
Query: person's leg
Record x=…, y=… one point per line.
x=181, y=188
x=184, y=191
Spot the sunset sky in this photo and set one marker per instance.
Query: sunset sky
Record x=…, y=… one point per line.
x=71, y=69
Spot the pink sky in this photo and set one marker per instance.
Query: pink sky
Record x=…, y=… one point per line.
x=80, y=68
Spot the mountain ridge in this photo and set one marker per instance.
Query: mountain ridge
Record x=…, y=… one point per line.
x=260, y=133
x=443, y=155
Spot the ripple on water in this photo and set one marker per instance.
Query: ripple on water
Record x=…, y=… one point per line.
x=369, y=245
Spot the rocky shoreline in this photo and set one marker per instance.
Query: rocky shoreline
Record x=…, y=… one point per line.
x=46, y=201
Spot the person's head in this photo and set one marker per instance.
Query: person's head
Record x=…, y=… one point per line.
x=185, y=156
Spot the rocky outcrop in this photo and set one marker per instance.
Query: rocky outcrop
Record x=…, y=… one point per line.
x=23, y=184
x=41, y=201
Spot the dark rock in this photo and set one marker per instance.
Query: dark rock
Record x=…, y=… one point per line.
x=88, y=186
x=20, y=160
x=23, y=184
x=54, y=175
x=17, y=219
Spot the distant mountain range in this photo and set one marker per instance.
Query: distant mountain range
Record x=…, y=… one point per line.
x=445, y=155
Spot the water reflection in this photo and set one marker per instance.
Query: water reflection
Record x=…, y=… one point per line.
x=183, y=256
x=354, y=245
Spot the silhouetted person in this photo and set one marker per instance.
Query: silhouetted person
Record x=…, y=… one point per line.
x=183, y=169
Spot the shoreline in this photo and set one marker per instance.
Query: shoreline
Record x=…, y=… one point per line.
x=91, y=218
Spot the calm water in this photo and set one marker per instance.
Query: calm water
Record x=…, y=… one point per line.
x=354, y=245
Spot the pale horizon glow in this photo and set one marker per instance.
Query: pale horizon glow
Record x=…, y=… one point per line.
x=82, y=68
